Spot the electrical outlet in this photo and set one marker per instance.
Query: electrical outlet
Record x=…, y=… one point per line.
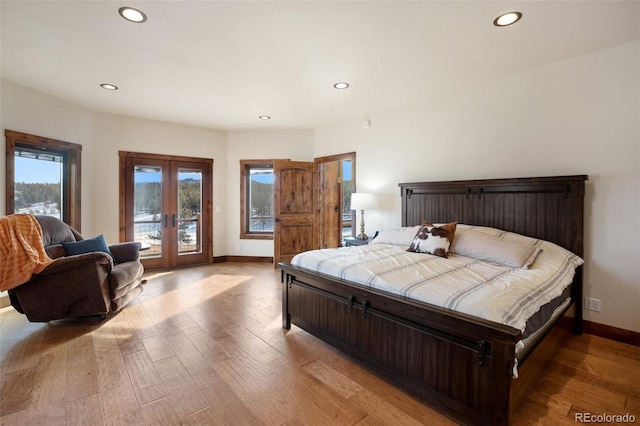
x=591, y=304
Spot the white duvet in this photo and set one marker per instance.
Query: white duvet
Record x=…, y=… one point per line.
x=497, y=293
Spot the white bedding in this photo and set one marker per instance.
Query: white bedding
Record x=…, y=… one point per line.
x=497, y=293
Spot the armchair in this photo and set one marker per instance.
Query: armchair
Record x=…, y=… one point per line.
x=79, y=285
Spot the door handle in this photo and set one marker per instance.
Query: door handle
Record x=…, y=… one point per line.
x=165, y=221
x=174, y=220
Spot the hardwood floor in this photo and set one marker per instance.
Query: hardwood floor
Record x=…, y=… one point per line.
x=204, y=346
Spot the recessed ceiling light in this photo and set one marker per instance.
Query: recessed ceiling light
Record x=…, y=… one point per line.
x=507, y=19
x=264, y=117
x=109, y=86
x=133, y=15
x=341, y=85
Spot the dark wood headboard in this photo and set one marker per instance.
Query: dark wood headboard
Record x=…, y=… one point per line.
x=548, y=208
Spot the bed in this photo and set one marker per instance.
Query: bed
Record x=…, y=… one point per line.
x=460, y=364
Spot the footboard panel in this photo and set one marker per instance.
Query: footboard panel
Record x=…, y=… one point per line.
x=461, y=367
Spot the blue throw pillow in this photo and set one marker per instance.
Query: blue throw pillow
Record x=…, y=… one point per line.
x=89, y=245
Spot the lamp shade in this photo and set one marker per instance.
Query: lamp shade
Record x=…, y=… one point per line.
x=363, y=201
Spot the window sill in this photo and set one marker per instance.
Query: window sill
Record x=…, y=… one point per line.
x=256, y=236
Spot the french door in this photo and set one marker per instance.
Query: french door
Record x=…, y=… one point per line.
x=167, y=207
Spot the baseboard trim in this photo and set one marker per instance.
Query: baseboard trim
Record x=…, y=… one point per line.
x=612, y=333
x=254, y=259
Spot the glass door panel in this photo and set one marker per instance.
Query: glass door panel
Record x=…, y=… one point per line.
x=147, y=205
x=189, y=222
x=348, y=222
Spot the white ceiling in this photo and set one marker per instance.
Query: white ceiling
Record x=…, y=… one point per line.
x=220, y=65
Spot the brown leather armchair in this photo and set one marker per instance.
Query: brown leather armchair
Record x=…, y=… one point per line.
x=79, y=285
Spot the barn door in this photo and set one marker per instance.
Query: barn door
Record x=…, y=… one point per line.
x=295, y=209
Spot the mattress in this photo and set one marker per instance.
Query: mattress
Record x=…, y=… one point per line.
x=505, y=295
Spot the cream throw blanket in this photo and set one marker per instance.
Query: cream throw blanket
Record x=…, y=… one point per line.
x=21, y=250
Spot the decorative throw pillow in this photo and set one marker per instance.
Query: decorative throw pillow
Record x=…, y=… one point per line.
x=90, y=245
x=434, y=239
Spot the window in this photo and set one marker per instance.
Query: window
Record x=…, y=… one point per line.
x=43, y=177
x=256, y=199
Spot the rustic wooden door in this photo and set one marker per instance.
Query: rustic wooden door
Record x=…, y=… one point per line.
x=330, y=214
x=295, y=209
x=336, y=175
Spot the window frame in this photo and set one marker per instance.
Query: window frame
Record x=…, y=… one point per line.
x=245, y=175
x=71, y=184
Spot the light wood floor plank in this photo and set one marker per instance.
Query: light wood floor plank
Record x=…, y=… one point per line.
x=144, y=377
x=126, y=334
x=182, y=390
x=311, y=400
x=12, y=325
x=82, y=375
x=381, y=412
x=17, y=391
x=270, y=407
x=26, y=353
x=126, y=418
x=157, y=347
x=338, y=382
x=85, y=411
x=204, y=346
x=6, y=351
x=49, y=405
x=15, y=419
x=397, y=398
x=249, y=350
x=116, y=391
x=206, y=417
x=160, y=413
x=198, y=367
x=228, y=407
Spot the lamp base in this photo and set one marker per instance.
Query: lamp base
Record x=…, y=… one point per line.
x=362, y=235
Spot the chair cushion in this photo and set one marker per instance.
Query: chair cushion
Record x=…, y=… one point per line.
x=54, y=231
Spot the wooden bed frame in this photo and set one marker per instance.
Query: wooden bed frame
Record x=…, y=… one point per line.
x=460, y=364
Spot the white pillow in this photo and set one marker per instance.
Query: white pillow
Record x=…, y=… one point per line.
x=506, y=252
x=397, y=236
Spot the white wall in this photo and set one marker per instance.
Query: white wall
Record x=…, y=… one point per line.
x=28, y=111
x=117, y=133
x=294, y=145
x=578, y=116
x=102, y=136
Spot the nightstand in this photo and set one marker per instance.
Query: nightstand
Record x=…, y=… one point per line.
x=352, y=241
